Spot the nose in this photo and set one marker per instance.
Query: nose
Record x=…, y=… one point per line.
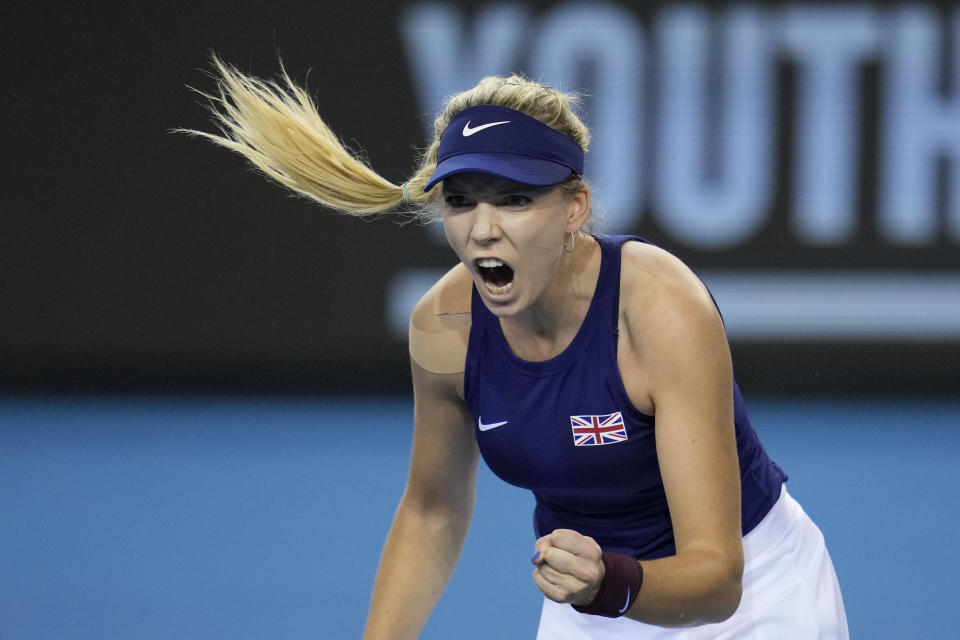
x=486, y=224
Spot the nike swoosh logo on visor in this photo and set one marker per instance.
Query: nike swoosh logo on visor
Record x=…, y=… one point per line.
x=487, y=427
x=467, y=131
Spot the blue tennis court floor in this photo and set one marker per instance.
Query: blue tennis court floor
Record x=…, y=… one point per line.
x=244, y=516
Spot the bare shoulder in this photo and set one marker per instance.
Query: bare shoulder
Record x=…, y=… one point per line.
x=655, y=285
x=667, y=319
x=440, y=324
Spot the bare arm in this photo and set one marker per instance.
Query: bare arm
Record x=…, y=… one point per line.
x=675, y=363
x=691, y=388
x=434, y=513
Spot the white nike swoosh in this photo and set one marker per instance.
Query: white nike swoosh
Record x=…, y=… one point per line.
x=467, y=131
x=492, y=425
x=627, y=603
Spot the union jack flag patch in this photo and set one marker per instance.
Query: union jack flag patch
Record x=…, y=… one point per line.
x=589, y=431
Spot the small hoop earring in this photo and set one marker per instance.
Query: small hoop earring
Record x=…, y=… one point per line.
x=573, y=243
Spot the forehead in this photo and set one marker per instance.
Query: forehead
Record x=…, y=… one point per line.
x=486, y=183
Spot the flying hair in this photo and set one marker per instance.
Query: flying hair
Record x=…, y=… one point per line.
x=275, y=125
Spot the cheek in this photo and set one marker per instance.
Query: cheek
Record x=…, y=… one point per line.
x=547, y=241
x=543, y=251
x=451, y=233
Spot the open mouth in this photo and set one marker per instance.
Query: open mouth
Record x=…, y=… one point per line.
x=497, y=275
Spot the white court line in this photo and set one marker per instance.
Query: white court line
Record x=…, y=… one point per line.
x=791, y=305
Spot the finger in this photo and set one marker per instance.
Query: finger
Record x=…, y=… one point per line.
x=540, y=546
x=584, y=570
x=558, y=578
x=541, y=543
x=558, y=558
x=549, y=589
x=574, y=542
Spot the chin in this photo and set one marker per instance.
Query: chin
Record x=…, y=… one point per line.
x=498, y=306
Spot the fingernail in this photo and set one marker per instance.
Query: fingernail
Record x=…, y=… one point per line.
x=535, y=557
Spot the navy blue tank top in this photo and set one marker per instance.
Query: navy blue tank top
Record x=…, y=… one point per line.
x=565, y=429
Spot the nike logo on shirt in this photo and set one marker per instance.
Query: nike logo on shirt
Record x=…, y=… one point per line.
x=487, y=427
x=467, y=131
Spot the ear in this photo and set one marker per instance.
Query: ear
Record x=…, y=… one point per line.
x=578, y=209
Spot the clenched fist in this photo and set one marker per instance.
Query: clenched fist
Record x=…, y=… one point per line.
x=569, y=567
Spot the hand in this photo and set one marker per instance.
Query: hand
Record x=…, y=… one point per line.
x=569, y=567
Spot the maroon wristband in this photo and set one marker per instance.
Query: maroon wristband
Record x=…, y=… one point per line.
x=622, y=578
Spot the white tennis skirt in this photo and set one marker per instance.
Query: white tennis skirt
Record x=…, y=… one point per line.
x=790, y=592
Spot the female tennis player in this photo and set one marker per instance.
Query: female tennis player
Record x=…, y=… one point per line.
x=591, y=369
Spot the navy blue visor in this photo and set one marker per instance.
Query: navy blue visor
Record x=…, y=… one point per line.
x=508, y=144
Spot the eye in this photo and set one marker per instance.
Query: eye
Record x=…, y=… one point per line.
x=457, y=201
x=516, y=200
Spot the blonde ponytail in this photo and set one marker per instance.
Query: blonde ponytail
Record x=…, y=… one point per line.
x=275, y=125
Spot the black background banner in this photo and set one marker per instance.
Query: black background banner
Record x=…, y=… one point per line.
x=133, y=258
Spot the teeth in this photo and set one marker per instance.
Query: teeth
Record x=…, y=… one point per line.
x=498, y=290
x=489, y=263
